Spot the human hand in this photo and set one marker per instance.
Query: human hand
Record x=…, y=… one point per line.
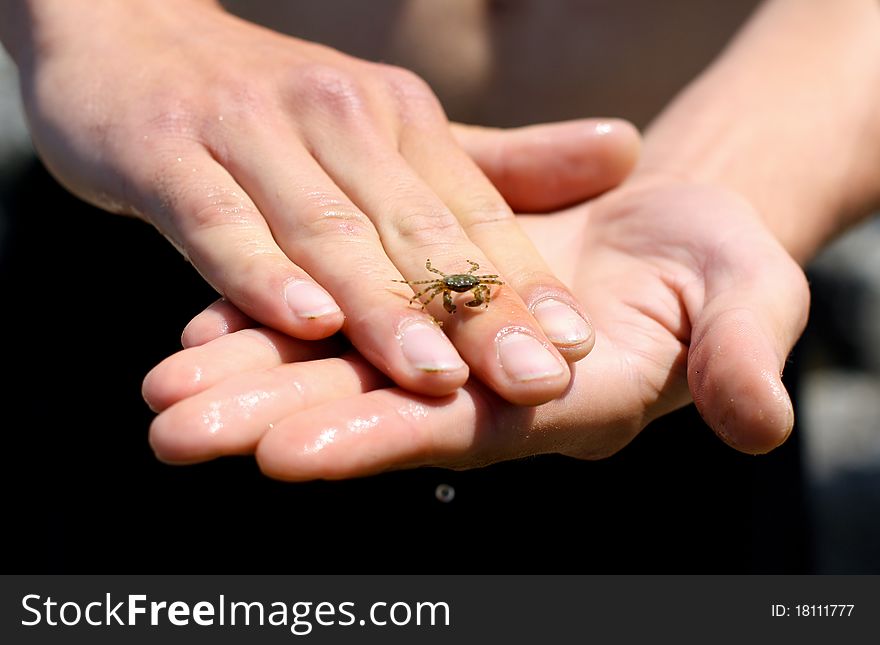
x=690, y=295
x=277, y=165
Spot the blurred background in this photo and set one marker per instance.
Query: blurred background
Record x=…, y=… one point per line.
x=93, y=301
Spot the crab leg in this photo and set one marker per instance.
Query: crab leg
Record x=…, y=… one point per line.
x=416, y=281
x=432, y=269
x=436, y=289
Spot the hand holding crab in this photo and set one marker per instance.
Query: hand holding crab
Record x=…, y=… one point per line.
x=660, y=317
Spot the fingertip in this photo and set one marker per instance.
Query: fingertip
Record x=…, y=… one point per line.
x=758, y=425
x=316, y=314
x=175, y=442
x=737, y=388
x=627, y=134
x=154, y=400
x=221, y=422
x=218, y=319
x=566, y=326
x=203, y=328
x=275, y=292
x=163, y=449
x=533, y=372
x=169, y=382
x=618, y=144
x=740, y=342
x=431, y=364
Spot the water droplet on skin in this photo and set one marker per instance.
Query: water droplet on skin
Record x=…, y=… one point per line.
x=249, y=401
x=413, y=410
x=324, y=439
x=212, y=418
x=362, y=425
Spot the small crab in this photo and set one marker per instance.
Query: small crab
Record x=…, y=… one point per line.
x=455, y=282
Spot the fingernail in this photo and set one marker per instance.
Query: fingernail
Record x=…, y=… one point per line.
x=427, y=348
x=561, y=324
x=308, y=300
x=524, y=358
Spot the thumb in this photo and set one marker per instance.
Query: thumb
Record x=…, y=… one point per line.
x=540, y=168
x=740, y=341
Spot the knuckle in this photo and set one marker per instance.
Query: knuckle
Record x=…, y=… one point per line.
x=428, y=226
x=329, y=217
x=170, y=117
x=406, y=85
x=235, y=108
x=173, y=124
x=220, y=208
x=157, y=133
x=248, y=101
x=487, y=214
x=410, y=93
x=242, y=110
x=332, y=90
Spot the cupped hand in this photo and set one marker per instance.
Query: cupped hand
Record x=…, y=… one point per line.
x=691, y=298
x=302, y=182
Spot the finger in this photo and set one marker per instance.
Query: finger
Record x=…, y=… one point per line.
x=331, y=419
x=388, y=428
x=319, y=227
x=193, y=370
x=501, y=341
x=230, y=417
x=491, y=225
x=539, y=168
x=217, y=226
x=370, y=433
x=219, y=318
x=741, y=339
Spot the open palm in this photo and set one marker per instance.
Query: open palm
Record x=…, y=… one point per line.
x=690, y=298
